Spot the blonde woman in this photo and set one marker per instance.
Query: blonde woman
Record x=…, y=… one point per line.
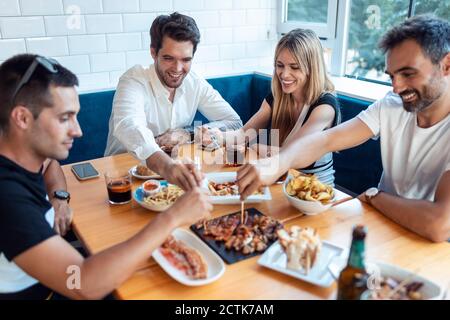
x=301, y=101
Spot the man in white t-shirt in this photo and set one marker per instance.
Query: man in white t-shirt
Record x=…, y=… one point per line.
x=412, y=123
x=161, y=100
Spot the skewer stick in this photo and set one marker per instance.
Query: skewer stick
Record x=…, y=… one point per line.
x=287, y=219
x=402, y=284
x=198, y=163
x=242, y=212
x=335, y=203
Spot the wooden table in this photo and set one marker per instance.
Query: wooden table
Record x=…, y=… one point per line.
x=100, y=225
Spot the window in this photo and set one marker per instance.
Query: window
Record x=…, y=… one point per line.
x=317, y=15
x=438, y=7
x=369, y=20
x=307, y=11
x=351, y=29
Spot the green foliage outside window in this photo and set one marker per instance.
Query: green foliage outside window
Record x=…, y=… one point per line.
x=307, y=10
x=369, y=20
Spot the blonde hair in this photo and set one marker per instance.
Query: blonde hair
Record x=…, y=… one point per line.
x=305, y=47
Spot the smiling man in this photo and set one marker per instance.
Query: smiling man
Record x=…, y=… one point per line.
x=153, y=105
x=413, y=124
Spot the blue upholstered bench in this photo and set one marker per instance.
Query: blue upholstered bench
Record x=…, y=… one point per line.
x=356, y=169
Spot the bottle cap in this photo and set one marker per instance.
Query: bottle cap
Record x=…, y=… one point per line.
x=359, y=232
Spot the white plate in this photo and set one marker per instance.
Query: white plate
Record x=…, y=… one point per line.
x=430, y=290
x=216, y=267
x=138, y=196
x=134, y=174
x=276, y=259
x=221, y=177
x=307, y=207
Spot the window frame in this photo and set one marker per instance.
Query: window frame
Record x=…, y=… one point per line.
x=333, y=34
x=323, y=30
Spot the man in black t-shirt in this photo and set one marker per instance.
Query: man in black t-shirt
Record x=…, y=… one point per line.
x=38, y=121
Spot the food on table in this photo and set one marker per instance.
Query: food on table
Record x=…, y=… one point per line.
x=308, y=187
x=144, y=171
x=223, y=189
x=393, y=289
x=302, y=247
x=184, y=258
x=226, y=189
x=150, y=186
x=232, y=165
x=166, y=196
x=252, y=235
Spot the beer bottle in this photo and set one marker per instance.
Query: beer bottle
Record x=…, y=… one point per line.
x=352, y=281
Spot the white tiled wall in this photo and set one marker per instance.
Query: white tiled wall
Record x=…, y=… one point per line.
x=100, y=39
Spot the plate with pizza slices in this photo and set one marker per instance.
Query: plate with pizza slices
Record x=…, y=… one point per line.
x=189, y=260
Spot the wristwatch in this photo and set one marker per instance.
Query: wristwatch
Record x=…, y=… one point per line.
x=62, y=195
x=371, y=193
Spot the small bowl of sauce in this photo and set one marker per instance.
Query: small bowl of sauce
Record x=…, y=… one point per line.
x=151, y=187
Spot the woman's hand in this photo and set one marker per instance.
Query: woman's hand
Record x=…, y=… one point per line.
x=207, y=136
x=265, y=151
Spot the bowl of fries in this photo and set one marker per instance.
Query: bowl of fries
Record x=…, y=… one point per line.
x=161, y=200
x=307, y=193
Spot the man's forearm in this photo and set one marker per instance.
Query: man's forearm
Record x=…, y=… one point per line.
x=423, y=217
x=54, y=178
x=110, y=268
x=310, y=148
x=158, y=161
x=226, y=124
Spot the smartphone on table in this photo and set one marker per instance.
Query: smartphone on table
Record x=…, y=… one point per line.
x=84, y=171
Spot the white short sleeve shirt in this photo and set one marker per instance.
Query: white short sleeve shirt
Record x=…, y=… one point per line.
x=414, y=158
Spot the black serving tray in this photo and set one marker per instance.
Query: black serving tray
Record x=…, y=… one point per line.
x=230, y=256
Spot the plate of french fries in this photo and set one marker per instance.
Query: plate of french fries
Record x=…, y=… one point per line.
x=160, y=201
x=307, y=193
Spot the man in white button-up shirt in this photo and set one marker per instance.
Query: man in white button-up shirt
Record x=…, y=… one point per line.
x=155, y=101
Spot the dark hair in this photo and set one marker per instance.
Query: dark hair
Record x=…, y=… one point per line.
x=176, y=26
x=430, y=32
x=35, y=94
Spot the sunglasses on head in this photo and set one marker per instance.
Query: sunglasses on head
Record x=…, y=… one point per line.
x=48, y=63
